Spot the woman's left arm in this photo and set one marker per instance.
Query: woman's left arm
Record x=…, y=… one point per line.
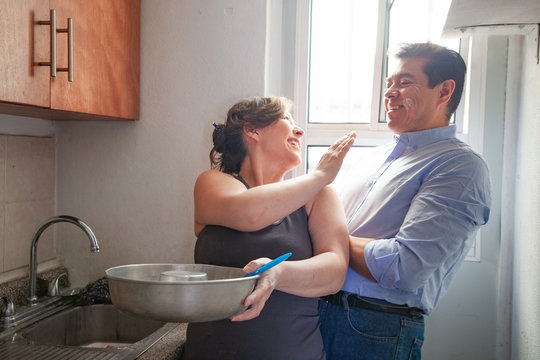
x=325, y=272
x=322, y=274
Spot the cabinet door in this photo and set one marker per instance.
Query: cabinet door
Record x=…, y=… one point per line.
x=23, y=44
x=106, y=42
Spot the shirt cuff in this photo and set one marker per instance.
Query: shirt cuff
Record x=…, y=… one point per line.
x=382, y=260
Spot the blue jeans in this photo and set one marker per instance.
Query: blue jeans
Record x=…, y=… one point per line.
x=360, y=334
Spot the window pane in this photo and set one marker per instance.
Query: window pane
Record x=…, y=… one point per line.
x=353, y=158
x=419, y=21
x=414, y=21
x=342, y=60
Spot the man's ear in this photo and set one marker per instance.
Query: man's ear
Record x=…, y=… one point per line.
x=251, y=133
x=447, y=88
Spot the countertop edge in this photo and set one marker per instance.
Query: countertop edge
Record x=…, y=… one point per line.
x=169, y=346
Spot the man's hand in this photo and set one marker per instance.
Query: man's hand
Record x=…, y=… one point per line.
x=357, y=260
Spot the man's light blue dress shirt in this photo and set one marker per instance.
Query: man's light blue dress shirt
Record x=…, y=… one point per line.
x=423, y=197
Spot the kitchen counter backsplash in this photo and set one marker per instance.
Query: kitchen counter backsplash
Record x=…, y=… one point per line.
x=27, y=197
x=96, y=292
x=17, y=290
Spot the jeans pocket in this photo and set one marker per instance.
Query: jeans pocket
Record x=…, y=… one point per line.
x=416, y=349
x=374, y=326
x=414, y=324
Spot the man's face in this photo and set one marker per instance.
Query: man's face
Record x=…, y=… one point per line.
x=410, y=104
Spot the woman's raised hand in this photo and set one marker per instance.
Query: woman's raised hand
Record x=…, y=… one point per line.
x=331, y=161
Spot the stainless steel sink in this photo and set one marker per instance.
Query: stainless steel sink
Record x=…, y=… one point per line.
x=95, y=331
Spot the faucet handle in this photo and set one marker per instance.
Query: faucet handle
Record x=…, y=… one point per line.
x=7, y=308
x=53, y=285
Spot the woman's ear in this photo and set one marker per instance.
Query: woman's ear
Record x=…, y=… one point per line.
x=251, y=133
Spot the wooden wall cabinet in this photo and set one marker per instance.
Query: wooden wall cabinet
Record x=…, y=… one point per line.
x=106, y=59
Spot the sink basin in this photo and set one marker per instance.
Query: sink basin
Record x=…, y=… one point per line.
x=92, y=326
x=92, y=329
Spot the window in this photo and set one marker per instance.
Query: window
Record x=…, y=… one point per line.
x=346, y=64
x=343, y=42
x=341, y=65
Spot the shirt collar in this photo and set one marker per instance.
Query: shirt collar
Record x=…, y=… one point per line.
x=426, y=137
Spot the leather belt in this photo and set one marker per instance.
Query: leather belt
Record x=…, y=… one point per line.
x=359, y=302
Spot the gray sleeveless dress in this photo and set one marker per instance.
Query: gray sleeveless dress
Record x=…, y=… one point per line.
x=288, y=326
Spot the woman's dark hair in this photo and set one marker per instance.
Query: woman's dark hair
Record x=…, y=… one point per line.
x=443, y=64
x=229, y=149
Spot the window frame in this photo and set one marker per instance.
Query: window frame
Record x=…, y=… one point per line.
x=372, y=134
x=473, y=49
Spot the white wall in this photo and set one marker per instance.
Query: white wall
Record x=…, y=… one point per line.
x=525, y=344
x=464, y=324
x=132, y=182
x=20, y=125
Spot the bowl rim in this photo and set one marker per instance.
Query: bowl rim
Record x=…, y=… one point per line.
x=191, y=282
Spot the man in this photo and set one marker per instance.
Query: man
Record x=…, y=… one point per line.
x=413, y=210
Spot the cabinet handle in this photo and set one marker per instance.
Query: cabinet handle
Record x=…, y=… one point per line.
x=52, y=23
x=69, y=31
x=54, y=30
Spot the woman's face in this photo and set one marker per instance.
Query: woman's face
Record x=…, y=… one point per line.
x=282, y=141
x=409, y=101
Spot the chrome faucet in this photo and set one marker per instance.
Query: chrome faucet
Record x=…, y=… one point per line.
x=94, y=247
x=7, y=309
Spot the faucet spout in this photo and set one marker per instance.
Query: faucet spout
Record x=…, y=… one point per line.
x=94, y=247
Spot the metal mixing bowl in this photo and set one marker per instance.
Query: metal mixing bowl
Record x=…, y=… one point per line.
x=137, y=289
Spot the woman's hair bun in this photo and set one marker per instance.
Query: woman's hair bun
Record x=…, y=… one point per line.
x=218, y=137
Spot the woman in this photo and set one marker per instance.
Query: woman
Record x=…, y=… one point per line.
x=245, y=210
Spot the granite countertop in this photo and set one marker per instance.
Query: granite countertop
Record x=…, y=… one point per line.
x=17, y=289
x=169, y=347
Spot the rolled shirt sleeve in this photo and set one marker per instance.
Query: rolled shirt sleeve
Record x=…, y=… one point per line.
x=439, y=226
